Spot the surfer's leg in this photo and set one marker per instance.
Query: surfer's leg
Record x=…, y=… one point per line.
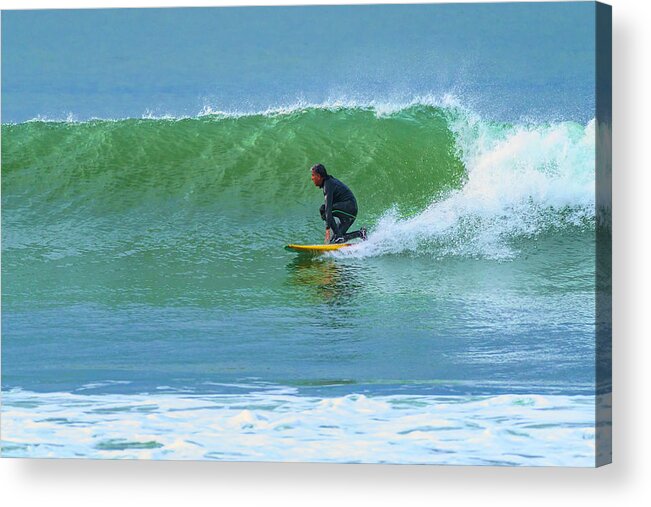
x=337, y=235
x=341, y=234
x=345, y=213
x=343, y=224
x=355, y=234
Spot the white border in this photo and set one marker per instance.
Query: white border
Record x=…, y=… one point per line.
x=83, y=4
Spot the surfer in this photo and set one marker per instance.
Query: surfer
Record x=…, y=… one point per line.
x=340, y=208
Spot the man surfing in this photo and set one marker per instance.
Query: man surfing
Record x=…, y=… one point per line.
x=340, y=208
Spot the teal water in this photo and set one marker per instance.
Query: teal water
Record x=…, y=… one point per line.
x=508, y=60
x=151, y=251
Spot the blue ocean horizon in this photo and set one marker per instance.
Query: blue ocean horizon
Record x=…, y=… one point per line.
x=507, y=62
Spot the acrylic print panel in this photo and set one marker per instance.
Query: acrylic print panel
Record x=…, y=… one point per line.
x=156, y=162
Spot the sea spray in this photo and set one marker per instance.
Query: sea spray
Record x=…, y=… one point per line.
x=521, y=181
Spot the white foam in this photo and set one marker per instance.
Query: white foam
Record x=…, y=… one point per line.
x=381, y=108
x=508, y=429
x=521, y=180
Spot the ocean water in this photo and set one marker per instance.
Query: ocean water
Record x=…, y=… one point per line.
x=508, y=61
x=151, y=311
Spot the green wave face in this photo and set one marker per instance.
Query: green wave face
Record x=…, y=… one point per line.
x=232, y=165
x=147, y=210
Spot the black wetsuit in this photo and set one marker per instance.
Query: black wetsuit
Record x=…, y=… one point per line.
x=340, y=209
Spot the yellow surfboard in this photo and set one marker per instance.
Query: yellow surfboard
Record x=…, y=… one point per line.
x=317, y=249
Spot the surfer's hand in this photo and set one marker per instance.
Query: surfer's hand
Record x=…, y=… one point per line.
x=327, y=236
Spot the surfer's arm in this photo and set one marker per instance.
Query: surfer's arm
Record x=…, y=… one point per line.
x=328, y=205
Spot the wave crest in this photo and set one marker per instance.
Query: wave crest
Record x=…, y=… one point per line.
x=521, y=180
x=430, y=176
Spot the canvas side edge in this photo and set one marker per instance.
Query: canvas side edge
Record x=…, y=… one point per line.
x=603, y=202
